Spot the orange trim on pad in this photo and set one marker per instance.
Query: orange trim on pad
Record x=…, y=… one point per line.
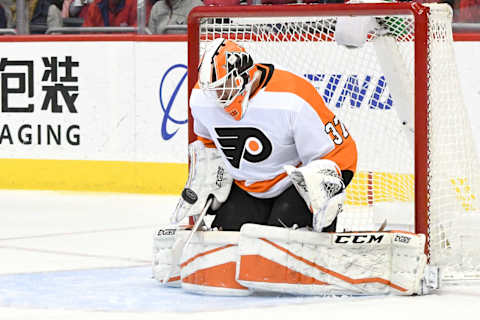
x=333, y=273
x=183, y=265
x=259, y=269
x=222, y=275
x=173, y=279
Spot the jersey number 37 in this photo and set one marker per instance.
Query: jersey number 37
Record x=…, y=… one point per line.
x=337, y=130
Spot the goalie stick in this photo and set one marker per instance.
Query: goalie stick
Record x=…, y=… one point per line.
x=180, y=245
x=198, y=222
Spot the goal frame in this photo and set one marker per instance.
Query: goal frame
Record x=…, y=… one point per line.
x=420, y=14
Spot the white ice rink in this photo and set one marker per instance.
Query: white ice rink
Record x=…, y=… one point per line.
x=87, y=256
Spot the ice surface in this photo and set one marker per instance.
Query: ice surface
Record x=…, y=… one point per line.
x=76, y=256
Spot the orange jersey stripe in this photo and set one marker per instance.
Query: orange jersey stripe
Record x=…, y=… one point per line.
x=302, y=88
x=262, y=186
x=345, y=156
x=345, y=153
x=207, y=142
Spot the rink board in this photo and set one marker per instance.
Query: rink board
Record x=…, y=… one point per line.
x=108, y=113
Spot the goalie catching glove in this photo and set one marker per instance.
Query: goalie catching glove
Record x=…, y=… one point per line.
x=321, y=186
x=207, y=177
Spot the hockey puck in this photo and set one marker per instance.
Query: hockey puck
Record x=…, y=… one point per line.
x=189, y=196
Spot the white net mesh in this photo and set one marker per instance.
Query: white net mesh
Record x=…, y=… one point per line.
x=371, y=90
x=454, y=168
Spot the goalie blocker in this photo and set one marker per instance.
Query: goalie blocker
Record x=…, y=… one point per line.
x=265, y=258
x=208, y=186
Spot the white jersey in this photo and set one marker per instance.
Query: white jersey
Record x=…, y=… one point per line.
x=286, y=123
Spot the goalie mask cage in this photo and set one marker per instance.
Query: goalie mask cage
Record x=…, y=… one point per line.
x=399, y=97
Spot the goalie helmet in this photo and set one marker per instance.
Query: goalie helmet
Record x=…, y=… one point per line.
x=224, y=74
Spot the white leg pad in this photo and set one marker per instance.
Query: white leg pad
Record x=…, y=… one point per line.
x=208, y=264
x=163, y=250
x=312, y=263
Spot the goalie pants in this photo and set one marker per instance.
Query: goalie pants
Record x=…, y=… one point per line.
x=287, y=209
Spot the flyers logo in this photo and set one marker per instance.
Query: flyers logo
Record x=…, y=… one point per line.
x=250, y=144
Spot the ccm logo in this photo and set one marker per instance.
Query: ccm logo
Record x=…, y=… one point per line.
x=359, y=238
x=402, y=239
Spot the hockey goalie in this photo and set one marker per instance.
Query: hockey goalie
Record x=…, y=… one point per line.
x=271, y=165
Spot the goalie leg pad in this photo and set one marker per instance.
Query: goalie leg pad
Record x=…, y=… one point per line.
x=165, y=267
x=312, y=263
x=208, y=265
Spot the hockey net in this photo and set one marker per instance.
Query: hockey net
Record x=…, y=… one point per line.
x=418, y=170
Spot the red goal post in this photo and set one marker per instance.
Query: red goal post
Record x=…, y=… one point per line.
x=422, y=97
